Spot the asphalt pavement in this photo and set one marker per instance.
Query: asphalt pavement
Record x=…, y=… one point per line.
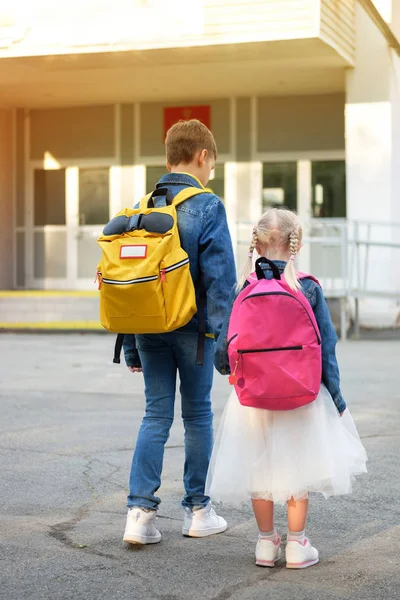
x=69, y=420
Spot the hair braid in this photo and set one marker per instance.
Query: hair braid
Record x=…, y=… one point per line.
x=293, y=244
x=249, y=263
x=253, y=243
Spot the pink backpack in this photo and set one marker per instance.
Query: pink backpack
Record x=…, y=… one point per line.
x=274, y=344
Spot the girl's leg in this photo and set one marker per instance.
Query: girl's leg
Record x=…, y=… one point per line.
x=268, y=546
x=264, y=514
x=297, y=515
x=299, y=555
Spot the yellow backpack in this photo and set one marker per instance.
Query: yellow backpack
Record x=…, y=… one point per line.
x=144, y=277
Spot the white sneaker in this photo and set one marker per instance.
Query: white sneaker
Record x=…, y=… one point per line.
x=300, y=556
x=202, y=522
x=268, y=552
x=140, y=527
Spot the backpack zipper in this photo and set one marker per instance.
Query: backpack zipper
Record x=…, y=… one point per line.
x=129, y=281
x=233, y=377
x=270, y=349
x=290, y=296
x=163, y=272
x=177, y=265
x=181, y=263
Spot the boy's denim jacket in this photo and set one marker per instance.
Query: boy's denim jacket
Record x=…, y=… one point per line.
x=330, y=368
x=205, y=236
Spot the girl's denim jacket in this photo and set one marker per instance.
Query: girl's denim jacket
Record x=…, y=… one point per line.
x=330, y=368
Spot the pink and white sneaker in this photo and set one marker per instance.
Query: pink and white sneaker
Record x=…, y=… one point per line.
x=301, y=555
x=267, y=552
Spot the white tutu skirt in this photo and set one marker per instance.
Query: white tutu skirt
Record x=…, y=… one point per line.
x=277, y=455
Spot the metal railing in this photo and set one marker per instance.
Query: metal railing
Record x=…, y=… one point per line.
x=352, y=260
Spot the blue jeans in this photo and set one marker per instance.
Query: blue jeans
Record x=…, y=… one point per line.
x=162, y=356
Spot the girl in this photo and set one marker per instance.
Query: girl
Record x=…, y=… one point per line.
x=279, y=456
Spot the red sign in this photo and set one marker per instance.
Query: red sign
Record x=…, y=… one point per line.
x=173, y=114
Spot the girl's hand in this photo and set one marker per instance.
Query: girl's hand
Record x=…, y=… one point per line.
x=135, y=369
x=341, y=414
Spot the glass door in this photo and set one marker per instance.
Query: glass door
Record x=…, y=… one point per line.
x=48, y=252
x=279, y=185
x=93, y=203
x=71, y=205
x=329, y=189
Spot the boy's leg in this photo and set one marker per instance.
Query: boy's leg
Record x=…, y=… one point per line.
x=196, y=383
x=159, y=371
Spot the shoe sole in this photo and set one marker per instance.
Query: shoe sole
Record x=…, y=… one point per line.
x=267, y=563
x=303, y=565
x=200, y=533
x=140, y=540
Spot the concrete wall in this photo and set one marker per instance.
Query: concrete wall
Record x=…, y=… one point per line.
x=73, y=132
x=299, y=123
x=6, y=200
x=283, y=124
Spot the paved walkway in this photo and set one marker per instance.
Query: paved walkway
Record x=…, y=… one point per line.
x=68, y=424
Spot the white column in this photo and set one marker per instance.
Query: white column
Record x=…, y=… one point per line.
x=395, y=97
x=139, y=183
x=72, y=222
x=231, y=200
x=249, y=205
x=304, y=193
x=373, y=157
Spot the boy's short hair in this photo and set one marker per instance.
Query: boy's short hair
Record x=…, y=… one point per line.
x=185, y=139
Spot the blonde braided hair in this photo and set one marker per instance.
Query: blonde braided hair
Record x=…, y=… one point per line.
x=253, y=243
x=293, y=244
x=278, y=231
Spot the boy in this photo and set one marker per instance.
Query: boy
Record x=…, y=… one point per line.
x=191, y=153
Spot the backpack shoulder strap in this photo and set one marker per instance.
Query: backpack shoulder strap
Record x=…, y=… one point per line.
x=144, y=201
x=301, y=275
x=189, y=192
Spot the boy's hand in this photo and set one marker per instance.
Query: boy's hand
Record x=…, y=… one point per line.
x=135, y=369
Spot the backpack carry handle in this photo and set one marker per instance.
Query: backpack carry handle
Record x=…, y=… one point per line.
x=260, y=272
x=152, y=223
x=160, y=192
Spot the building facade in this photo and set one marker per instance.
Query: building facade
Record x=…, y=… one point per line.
x=303, y=97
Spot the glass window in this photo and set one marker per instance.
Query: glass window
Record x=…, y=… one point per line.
x=329, y=189
x=279, y=185
x=94, y=196
x=49, y=197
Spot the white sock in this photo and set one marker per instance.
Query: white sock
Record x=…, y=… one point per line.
x=271, y=536
x=296, y=536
